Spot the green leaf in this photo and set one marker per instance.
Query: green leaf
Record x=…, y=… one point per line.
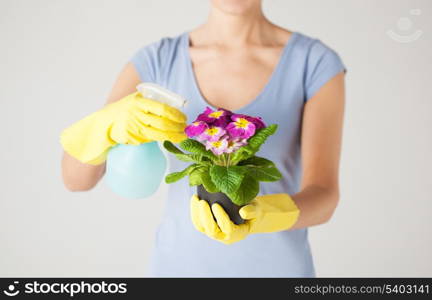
x=189, y=157
x=195, y=157
x=256, y=161
x=196, y=147
x=240, y=155
x=247, y=191
x=266, y=173
x=227, y=178
x=261, y=136
x=254, y=144
x=169, y=146
x=196, y=175
x=175, y=176
x=208, y=183
x=201, y=175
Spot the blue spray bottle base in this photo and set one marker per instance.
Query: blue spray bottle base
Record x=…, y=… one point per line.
x=135, y=172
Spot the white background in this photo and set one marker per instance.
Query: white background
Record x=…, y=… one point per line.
x=59, y=58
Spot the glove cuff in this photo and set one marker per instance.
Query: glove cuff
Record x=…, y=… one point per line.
x=277, y=212
x=87, y=140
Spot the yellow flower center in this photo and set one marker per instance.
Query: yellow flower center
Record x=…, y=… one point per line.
x=196, y=123
x=217, y=144
x=212, y=131
x=242, y=122
x=216, y=114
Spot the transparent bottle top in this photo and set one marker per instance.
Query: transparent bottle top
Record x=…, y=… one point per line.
x=160, y=94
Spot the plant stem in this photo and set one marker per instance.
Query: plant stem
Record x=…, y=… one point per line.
x=229, y=159
x=220, y=160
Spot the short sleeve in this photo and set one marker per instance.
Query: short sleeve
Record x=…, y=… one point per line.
x=148, y=59
x=323, y=63
x=142, y=61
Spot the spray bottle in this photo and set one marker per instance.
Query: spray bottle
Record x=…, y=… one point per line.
x=136, y=171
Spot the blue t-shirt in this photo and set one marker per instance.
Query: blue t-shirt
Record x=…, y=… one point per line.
x=181, y=251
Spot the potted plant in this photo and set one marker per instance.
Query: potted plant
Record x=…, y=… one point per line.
x=221, y=148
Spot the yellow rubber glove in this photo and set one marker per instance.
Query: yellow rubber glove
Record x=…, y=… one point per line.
x=224, y=230
x=132, y=120
x=268, y=213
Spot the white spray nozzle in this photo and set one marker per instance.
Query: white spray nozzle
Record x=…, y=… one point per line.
x=160, y=94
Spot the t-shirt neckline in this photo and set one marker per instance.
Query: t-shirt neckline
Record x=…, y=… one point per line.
x=277, y=69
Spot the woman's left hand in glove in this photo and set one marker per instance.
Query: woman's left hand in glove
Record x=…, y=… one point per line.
x=265, y=214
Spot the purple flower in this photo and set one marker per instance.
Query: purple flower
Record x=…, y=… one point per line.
x=235, y=144
x=204, y=116
x=222, y=121
x=212, y=133
x=217, y=147
x=241, y=127
x=257, y=121
x=220, y=117
x=196, y=128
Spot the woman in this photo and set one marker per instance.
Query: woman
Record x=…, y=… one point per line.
x=239, y=61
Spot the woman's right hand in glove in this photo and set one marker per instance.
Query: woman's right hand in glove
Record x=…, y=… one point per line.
x=132, y=120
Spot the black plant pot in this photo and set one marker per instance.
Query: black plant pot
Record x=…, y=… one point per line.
x=231, y=209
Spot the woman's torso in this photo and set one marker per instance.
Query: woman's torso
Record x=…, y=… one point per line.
x=180, y=250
